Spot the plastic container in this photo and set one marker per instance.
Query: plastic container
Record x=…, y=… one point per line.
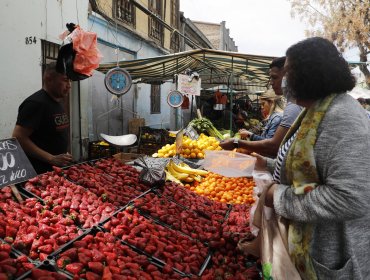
x=229, y=163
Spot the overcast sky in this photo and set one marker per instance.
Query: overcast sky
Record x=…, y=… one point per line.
x=261, y=27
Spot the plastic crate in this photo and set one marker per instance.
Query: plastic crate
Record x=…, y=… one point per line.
x=97, y=150
x=119, y=257
x=152, y=139
x=108, y=186
x=205, y=207
x=179, y=218
x=166, y=240
x=15, y=263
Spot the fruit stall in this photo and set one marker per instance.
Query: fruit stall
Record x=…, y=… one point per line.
x=159, y=217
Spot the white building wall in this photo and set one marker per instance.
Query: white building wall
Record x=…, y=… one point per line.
x=20, y=68
x=131, y=47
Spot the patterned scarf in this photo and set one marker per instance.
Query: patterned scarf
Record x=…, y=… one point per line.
x=301, y=172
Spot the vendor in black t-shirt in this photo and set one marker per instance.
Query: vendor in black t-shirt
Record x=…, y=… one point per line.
x=42, y=126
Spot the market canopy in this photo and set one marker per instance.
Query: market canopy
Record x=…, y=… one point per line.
x=238, y=71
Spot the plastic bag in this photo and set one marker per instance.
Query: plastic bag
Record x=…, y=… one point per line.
x=153, y=177
x=79, y=56
x=262, y=180
x=271, y=244
x=87, y=54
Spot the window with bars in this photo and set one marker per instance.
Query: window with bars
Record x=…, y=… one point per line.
x=175, y=42
x=155, y=99
x=155, y=27
x=175, y=38
x=49, y=52
x=124, y=10
x=175, y=13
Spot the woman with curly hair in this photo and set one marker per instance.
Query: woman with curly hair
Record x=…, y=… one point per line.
x=322, y=178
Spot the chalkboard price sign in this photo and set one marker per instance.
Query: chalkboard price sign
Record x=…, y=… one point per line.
x=14, y=164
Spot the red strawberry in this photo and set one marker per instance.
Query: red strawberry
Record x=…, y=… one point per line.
x=114, y=269
x=5, y=247
x=151, y=268
x=110, y=256
x=63, y=261
x=47, y=249
x=167, y=269
x=43, y=256
x=10, y=270
x=10, y=231
x=150, y=249
x=120, y=277
x=74, y=268
x=107, y=274
x=71, y=253
x=92, y=276
x=97, y=255
x=179, y=266
x=38, y=273
x=96, y=267
x=4, y=255
x=58, y=170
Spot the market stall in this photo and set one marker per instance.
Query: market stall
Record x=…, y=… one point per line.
x=105, y=219
x=241, y=74
x=163, y=211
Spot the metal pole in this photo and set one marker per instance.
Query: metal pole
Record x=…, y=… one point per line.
x=231, y=106
x=80, y=118
x=230, y=86
x=191, y=108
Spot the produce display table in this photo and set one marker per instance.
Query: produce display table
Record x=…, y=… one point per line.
x=96, y=220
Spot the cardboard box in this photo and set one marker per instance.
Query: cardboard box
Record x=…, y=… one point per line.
x=126, y=157
x=135, y=124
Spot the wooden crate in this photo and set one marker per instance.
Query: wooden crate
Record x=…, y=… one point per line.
x=135, y=124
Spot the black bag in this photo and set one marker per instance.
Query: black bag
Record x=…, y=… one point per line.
x=66, y=56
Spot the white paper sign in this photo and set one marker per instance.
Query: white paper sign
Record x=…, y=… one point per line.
x=188, y=87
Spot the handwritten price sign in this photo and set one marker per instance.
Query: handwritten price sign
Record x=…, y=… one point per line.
x=188, y=87
x=14, y=164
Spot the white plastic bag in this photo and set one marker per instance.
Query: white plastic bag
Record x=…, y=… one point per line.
x=262, y=180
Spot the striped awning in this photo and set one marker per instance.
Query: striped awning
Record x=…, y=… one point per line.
x=238, y=71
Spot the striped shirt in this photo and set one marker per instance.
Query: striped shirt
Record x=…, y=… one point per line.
x=280, y=157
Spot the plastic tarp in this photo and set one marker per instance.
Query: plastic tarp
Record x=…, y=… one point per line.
x=238, y=71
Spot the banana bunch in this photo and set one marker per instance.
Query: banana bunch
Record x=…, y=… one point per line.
x=183, y=173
